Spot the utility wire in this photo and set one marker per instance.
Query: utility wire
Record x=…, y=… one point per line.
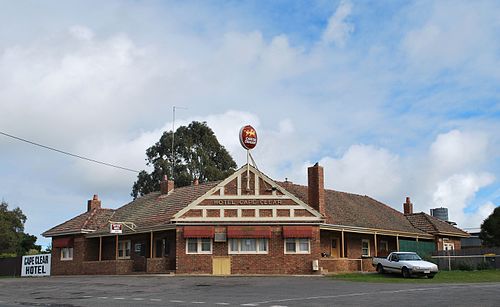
x=68, y=153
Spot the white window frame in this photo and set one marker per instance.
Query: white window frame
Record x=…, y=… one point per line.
x=128, y=245
x=297, y=244
x=70, y=253
x=198, y=246
x=362, y=248
x=239, y=251
x=448, y=246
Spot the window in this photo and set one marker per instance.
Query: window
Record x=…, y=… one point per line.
x=124, y=249
x=248, y=246
x=162, y=248
x=67, y=253
x=365, y=248
x=297, y=246
x=448, y=246
x=199, y=246
x=384, y=246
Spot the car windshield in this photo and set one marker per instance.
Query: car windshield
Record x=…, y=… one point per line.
x=409, y=257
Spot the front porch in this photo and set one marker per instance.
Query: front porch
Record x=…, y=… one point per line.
x=152, y=252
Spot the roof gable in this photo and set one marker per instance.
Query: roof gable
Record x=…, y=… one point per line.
x=248, y=196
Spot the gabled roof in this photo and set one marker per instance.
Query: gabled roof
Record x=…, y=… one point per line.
x=433, y=225
x=355, y=210
x=259, y=186
x=83, y=223
x=156, y=209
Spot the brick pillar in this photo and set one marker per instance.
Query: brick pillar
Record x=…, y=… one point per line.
x=166, y=185
x=316, y=188
x=407, y=207
x=93, y=203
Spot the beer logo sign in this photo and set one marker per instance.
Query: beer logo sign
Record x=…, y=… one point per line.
x=248, y=137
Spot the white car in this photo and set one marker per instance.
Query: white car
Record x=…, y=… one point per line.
x=405, y=263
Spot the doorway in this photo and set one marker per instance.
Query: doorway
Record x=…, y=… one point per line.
x=221, y=265
x=335, y=248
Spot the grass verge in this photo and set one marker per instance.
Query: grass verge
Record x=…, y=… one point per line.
x=441, y=277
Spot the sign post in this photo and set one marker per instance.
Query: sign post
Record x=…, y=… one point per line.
x=248, y=139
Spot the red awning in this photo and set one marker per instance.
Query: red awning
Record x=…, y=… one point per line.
x=297, y=232
x=62, y=242
x=199, y=232
x=248, y=232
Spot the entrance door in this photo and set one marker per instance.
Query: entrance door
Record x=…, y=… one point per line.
x=221, y=265
x=335, y=251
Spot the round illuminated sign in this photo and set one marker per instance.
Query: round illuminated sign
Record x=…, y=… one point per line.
x=248, y=137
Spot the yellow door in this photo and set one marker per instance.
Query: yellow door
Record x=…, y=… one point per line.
x=335, y=248
x=221, y=265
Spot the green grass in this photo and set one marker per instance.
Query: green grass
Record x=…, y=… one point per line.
x=441, y=277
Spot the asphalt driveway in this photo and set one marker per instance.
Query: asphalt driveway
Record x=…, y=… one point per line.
x=158, y=290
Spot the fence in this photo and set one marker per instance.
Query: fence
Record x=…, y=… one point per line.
x=468, y=259
x=10, y=266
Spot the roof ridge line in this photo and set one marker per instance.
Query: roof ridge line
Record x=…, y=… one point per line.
x=430, y=221
x=92, y=213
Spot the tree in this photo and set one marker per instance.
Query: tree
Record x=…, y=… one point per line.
x=490, y=229
x=197, y=154
x=13, y=240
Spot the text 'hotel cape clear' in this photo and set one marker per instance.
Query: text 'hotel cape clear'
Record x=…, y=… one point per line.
x=247, y=223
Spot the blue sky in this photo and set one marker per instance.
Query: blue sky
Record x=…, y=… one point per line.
x=393, y=98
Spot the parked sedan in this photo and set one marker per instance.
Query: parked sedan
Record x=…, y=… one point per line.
x=405, y=263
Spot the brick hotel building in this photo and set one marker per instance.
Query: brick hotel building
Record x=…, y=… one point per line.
x=244, y=224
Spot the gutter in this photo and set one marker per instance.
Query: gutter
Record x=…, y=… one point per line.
x=376, y=231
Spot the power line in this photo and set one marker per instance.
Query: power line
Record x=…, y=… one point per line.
x=68, y=153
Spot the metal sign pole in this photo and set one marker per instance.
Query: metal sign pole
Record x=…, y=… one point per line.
x=248, y=170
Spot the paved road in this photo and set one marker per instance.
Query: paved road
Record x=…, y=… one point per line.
x=154, y=290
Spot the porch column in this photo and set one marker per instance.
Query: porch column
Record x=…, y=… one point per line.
x=342, y=244
x=116, y=247
x=397, y=242
x=376, y=247
x=151, y=246
x=100, y=248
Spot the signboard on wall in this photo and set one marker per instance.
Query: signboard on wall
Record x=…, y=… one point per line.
x=115, y=228
x=36, y=265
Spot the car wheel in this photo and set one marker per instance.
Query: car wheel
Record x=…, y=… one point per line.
x=380, y=269
x=406, y=273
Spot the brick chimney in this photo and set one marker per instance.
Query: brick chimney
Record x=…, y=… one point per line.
x=166, y=185
x=196, y=181
x=93, y=203
x=316, y=188
x=407, y=207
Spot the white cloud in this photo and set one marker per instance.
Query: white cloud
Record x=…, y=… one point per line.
x=338, y=30
x=366, y=170
x=457, y=191
x=454, y=37
x=455, y=151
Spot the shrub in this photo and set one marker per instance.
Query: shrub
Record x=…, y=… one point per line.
x=464, y=266
x=483, y=266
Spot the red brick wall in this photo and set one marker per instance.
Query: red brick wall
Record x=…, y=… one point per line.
x=456, y=242
x=274, y=262
x=69, y=267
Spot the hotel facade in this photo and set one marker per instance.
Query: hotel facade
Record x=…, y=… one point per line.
x=244, y=224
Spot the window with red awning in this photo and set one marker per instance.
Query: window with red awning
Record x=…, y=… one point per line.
x=62, y=242
x=199, y=232
x=297, y=232
x=247, y=232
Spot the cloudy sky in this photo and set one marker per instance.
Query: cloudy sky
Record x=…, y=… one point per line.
x=393, y=98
